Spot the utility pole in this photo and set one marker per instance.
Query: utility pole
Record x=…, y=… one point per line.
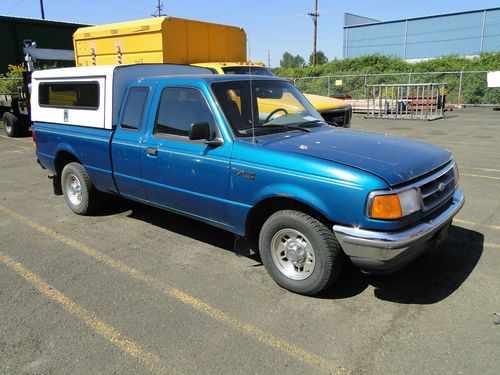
x=41, y=9
x=315, y=16
x=268, y=58
x=159, y=10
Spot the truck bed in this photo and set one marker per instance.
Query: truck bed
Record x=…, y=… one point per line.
x=92, y=146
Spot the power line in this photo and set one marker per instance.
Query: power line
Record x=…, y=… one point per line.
x=252, y=5
x=112, y=4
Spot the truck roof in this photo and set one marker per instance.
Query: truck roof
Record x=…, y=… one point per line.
x=210, y=78
x=112, y=81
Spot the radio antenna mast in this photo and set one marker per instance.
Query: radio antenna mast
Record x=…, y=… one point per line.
x=251, y=97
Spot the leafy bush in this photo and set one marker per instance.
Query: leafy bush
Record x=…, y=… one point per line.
x=10, y=85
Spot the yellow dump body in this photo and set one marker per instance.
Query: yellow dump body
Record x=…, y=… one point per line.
x=158, y=40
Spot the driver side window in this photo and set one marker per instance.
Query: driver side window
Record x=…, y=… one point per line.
x=179, y=108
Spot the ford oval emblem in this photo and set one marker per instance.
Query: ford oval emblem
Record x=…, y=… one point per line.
x=441, y=187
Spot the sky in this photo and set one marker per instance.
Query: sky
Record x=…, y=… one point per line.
x=272, y=26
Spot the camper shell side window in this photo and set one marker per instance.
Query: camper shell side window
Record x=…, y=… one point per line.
x=74, y=95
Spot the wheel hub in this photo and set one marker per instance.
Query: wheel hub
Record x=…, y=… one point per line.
x=295, y=252
x=74, y=189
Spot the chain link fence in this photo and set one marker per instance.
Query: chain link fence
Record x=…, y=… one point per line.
x=463, y=87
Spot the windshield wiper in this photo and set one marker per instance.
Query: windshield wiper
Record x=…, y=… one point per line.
x=308, y=123
x=287, y=127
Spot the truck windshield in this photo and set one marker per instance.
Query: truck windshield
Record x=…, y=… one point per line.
x=270, y=107
x=254, y=70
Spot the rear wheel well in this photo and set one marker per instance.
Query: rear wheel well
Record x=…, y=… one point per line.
x=265, y=208
x=62, y=159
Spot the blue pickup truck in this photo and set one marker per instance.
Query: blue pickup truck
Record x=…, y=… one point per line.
x=250, y=155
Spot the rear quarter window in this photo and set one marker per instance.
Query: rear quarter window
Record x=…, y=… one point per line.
x=135, y=104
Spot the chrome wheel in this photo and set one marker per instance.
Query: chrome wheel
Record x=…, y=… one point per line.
x=293, y=254
x=7, y=127
x=73, y=189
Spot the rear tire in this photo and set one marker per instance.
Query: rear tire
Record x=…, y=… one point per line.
x=78, y=190
x=300, y=253
x=11, y=125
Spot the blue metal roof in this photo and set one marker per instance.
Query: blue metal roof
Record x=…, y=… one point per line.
x=420, y=18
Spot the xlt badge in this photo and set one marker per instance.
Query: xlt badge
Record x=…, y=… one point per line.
x=247, y=175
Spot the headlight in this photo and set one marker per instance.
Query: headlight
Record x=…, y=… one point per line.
x=393, y=206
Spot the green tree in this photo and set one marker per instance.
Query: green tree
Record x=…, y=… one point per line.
x=290, y=61
x=320, y=58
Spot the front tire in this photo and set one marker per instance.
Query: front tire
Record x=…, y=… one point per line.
x=300, y=253
x=78, y=190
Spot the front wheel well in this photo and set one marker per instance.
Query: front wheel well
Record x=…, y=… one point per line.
x=265, y=208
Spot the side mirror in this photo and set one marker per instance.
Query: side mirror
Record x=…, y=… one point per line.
x=199, y=130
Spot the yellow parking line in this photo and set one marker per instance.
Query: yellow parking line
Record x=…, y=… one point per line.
x=482, y=169
x=446, y=144
x=19, y=146
x=473, y=223
x=150, y=361
x=24, y=140
x=248, y=329
x=480, y=176
x=491, y=245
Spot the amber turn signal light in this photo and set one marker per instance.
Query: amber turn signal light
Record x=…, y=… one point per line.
x=386, y=207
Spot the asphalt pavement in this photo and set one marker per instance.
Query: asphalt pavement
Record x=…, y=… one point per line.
x=133, y=289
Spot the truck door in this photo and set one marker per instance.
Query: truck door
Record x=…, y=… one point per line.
x=126, y=144
x=178, y=173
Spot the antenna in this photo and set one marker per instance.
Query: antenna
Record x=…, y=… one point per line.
x=251, y=104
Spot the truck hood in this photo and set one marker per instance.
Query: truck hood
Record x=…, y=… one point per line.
x=395, y=160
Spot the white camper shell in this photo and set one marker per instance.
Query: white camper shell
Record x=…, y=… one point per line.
x=91, y=96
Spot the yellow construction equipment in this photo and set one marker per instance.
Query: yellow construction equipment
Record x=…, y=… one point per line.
x=158, y=40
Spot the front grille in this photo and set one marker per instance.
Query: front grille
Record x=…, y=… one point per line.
x=340, y=117
x=438, y=189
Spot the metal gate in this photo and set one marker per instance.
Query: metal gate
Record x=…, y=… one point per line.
x=420, y=101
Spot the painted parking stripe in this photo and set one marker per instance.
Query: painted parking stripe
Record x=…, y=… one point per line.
x=491, y=245
x=481, y=169
x=112, y=335
x=24, y=140
x=195, y=303
x=479, y=176
x=32, y=149
x=474, y=224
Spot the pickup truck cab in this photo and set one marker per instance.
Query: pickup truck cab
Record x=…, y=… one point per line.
x=202, y=145
x=335, y=111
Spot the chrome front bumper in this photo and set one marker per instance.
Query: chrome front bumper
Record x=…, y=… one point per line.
x=385, y=252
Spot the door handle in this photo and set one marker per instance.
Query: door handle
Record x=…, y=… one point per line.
x=152, y=151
